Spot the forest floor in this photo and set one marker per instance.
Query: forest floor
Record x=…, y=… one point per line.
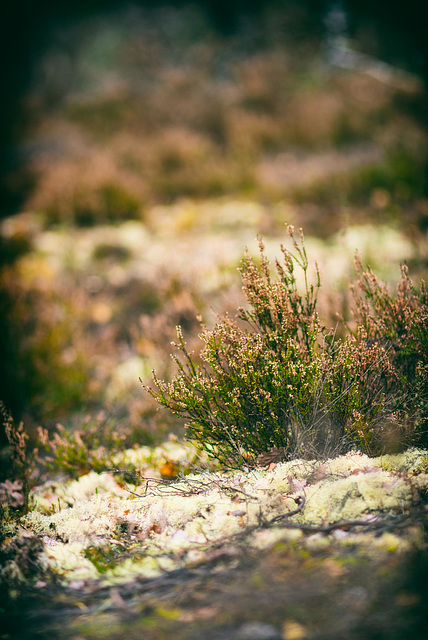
x=299, y=550
x=168, y=151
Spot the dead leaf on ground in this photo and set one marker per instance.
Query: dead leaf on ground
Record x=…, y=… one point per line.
x=296, y=485
x=274, y=455
x=356, y=472
x=154, y=528
x=318, y=474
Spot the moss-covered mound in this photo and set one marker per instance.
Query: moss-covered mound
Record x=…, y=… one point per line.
x=97, y=528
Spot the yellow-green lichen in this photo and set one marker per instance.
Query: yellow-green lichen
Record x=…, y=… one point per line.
x=412, y=462
x=353, y=496
x=159, y=529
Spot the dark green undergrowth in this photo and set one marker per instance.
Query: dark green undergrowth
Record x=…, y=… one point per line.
x=275, y=382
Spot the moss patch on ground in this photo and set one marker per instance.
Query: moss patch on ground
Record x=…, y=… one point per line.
x=110, y=549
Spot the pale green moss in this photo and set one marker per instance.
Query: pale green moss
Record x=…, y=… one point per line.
x=421, y=482
x=68, y=560
x=147, y=567
x=352, y=461
x=148, y=458
x=270, y=537
x=413, y=462
x=136, y=457
x=278, y=479
x=170, y=527
x=86, y=520
x=56, y=495
x=354, y=496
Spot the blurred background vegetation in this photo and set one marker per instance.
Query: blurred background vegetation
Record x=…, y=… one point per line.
x=144, y=145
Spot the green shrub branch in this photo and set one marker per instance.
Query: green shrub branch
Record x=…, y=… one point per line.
x=274, y=379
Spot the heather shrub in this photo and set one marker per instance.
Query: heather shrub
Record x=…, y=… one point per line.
x=15, y=493
x=274, y=383
x=75, y=453
x=400, y=324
